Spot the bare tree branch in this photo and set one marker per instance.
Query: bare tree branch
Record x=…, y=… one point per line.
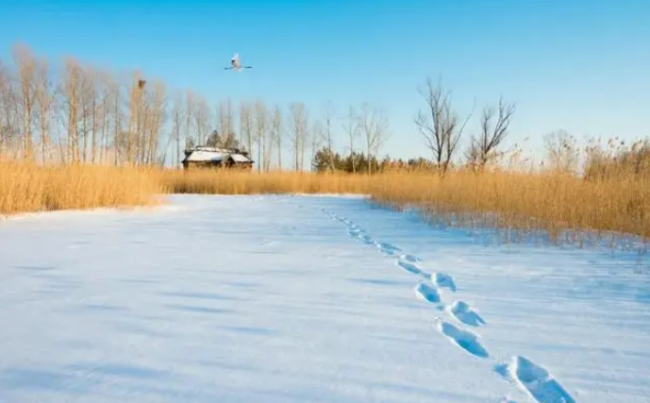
x=327, y=133
x=352, y=130
x=9, y=128
x=226, y=119
x=373, y=124
x=439, y=124
x=261, y=118
x=298, y=125
x=484, y=147
x=246, y=126
x=277, y=132
x=178, y=115
x=26, y=64
x=562, y=153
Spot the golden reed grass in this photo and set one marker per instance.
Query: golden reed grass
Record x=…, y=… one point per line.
x=549, y=201
x=26, y=187
x=240, y=183
x=546, y=201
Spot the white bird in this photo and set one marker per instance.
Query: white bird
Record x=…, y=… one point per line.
x=235, y=64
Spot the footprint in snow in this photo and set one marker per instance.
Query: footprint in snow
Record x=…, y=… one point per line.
x=410, y=258
x=535, y=380
x=388, y=248
x=462, y=311
x=367, y=239
x=443, y=280
x=410, y=267
x=428, y=293
x=464, y=339
x=355, y=232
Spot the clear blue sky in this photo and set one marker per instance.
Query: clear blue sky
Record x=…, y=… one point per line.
x=579, y=65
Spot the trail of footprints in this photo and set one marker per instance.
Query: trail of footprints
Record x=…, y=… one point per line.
x=432, y=288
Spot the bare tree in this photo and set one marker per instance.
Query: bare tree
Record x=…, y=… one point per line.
x=88, y=93
x=246, y=126
x=116, y=114
x=483, y=148
x=100, y=116
x=26, y=64
x=373, y=124
x=298, y=124
x=178, y=116
x=105, y=112
x=562, y=153
x=439, y=124
x=190, y=107
x=276, y=132
x=71, y=89
x=269, y=140
x=44, y=102
x=318, y=138
x=136, y=117
x=95, y=104
x=327, y=134
x=8, y=112
x=226, y=117
x=202, y=120
x=156, y=117
x=352, y=131
x=261, y=118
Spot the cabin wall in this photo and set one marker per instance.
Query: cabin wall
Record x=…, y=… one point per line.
x=217, y=164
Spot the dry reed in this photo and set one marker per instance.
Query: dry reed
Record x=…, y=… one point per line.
x=551, y=201
x=30, y=188
x=548, y=201
x=238, y=182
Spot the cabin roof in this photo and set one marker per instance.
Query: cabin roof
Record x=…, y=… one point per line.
x=214, y=149
x=240, y=158
x=213, y=154
x=205, y=156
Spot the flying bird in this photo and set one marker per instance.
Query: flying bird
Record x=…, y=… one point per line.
x=235, y=64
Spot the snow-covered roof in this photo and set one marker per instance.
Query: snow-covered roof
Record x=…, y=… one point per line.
x=203, y=156
x=239, y=158
x=213, y=149
x=207, y=154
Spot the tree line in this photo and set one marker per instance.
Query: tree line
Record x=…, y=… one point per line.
x=78, y=113
x=356, y=162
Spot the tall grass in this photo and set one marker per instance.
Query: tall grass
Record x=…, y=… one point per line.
x=238, y=182
x=552, y=202
x=548, y=201
x=27, y=187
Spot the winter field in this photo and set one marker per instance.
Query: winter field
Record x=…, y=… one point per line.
x=309, y=299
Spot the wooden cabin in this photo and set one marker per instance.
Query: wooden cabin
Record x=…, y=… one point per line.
x=216, y=157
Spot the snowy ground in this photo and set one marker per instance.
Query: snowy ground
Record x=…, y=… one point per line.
x=309, y=299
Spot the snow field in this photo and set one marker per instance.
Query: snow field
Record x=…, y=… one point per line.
x=537, y=382
x=269, y=298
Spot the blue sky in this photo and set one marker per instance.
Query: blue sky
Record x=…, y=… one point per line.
x=583, y=66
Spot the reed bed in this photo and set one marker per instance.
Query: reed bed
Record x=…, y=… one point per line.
x=550, y=201
x=26, y=187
